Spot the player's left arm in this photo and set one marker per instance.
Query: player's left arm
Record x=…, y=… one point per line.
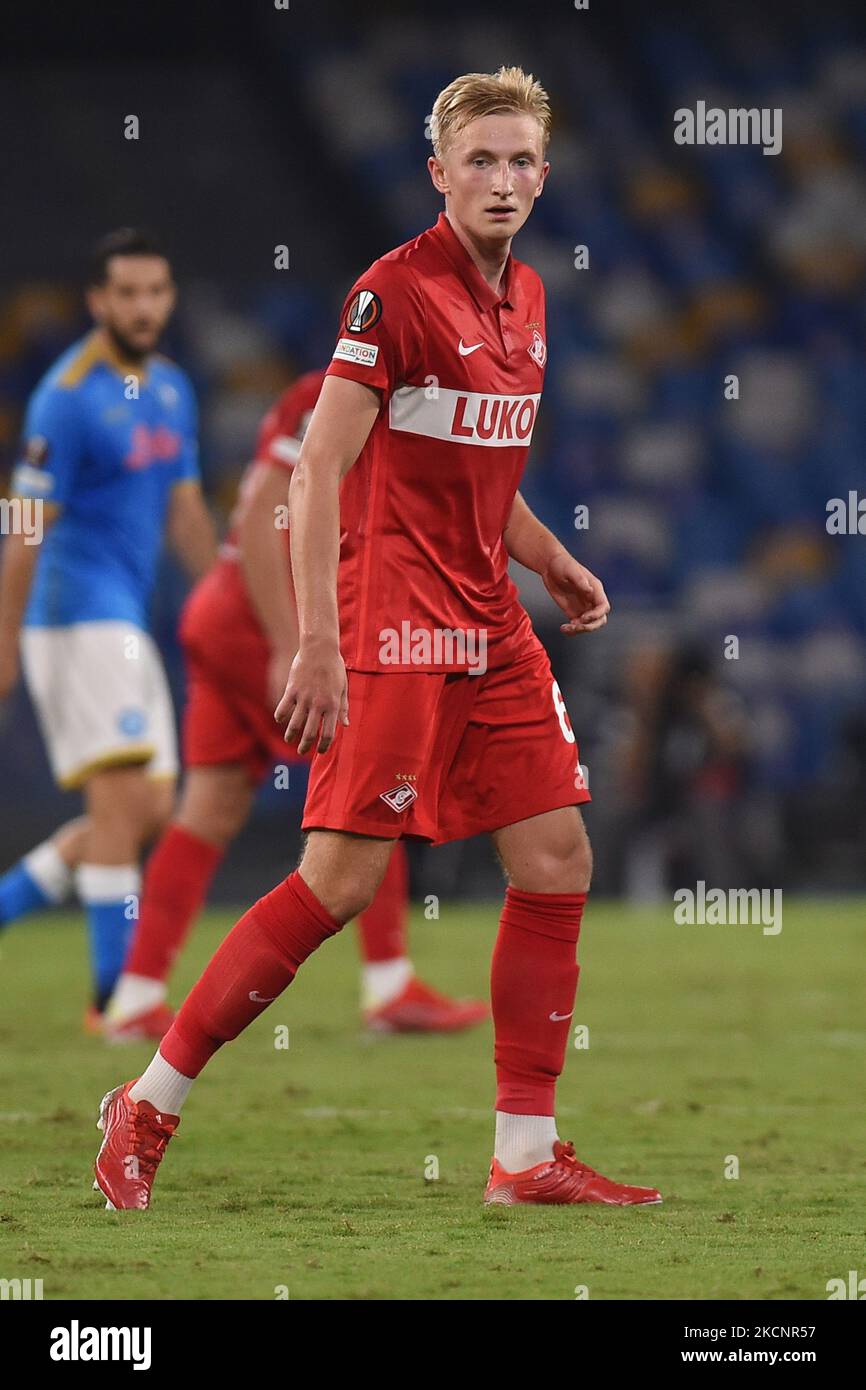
x=189, y=526
x=190, y=529
x=571, y=585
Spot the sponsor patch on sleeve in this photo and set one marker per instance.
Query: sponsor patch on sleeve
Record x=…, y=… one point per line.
x=363, y=354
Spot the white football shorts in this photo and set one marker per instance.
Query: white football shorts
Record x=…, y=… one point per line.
x=101, y=698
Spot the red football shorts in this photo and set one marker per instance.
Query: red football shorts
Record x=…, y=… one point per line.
x=442, y=757
x=228, y=716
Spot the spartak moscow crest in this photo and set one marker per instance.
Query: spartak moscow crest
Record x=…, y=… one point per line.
x=537, y=348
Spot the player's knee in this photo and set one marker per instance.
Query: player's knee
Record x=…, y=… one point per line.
x=345, y=900
x=215, y=802
x=344, y=878
x=221, y=824
x=158, y=809
x=120, y=807
x=563, y=864
x=219, y=819
x=564, y=872
x=145, y=808
x=582, y=865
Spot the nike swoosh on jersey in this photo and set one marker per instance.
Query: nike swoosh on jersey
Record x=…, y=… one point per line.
x=465, y=351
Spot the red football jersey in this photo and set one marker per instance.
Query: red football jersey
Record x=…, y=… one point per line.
x=279, y=441
x=424, y=508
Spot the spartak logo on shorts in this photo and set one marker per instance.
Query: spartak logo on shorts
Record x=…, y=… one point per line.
x=399, y=797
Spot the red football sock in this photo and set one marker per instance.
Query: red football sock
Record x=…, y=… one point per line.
x=382, y=928
x=176, y=882
x=252, y=967
x=533, y=983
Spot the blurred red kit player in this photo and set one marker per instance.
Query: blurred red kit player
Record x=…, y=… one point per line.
x=238, y=630
x=418, y=680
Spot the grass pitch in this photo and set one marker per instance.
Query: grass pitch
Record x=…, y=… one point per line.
x=307, y=1171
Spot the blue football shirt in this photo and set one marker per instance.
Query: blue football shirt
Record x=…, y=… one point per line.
x=109, y=459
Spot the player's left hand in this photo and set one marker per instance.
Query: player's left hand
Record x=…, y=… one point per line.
x=578, y=593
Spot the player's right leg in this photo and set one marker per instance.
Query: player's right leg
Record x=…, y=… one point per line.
x=42, y=879
x=214, y=807
x=337, y=878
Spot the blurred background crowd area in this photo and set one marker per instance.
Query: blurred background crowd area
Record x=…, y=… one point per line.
x=743, y=763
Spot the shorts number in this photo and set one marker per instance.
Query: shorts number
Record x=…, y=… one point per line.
x=562, y=714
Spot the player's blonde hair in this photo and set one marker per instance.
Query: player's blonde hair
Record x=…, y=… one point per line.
x=487, y=94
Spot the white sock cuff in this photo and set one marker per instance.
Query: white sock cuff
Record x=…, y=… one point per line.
x=49, y=870
x=523, y=1140
x=107, y=883
x=383, y=980
x=135, y=994
x=163, y=1085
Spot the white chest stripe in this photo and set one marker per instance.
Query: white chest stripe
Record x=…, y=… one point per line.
x=464, y=417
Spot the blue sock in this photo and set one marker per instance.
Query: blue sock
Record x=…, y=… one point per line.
x=40, y=880
x=110, y=895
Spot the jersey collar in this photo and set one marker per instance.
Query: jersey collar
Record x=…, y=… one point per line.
x=486, y=298
x=105, y=351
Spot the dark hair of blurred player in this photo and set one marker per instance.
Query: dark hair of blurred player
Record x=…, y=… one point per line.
x=130, y=291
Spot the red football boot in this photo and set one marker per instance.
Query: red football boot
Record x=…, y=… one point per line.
x=563, y=1179
x=151, y=1025
x=93, y=1021
x=420, y=1009
x=135, y=1136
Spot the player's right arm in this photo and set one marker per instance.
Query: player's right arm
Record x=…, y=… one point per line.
x=16, y=577
x=316, y=692
x=45, y=477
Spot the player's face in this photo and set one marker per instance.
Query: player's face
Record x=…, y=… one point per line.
x=491, y=174
x=135, y=303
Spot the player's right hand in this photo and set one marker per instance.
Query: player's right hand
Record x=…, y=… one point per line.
x=279, y=666
x=316, y=697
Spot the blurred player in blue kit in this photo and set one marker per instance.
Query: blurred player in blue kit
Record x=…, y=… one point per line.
x=110, y=456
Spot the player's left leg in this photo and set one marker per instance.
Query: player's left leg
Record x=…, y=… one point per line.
x=44, y=878
x=124, y=806
x=516, y=773
x=394, y=999
x=128, y=802
x=214, y=807
x=104, y=708
x=548, y=865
